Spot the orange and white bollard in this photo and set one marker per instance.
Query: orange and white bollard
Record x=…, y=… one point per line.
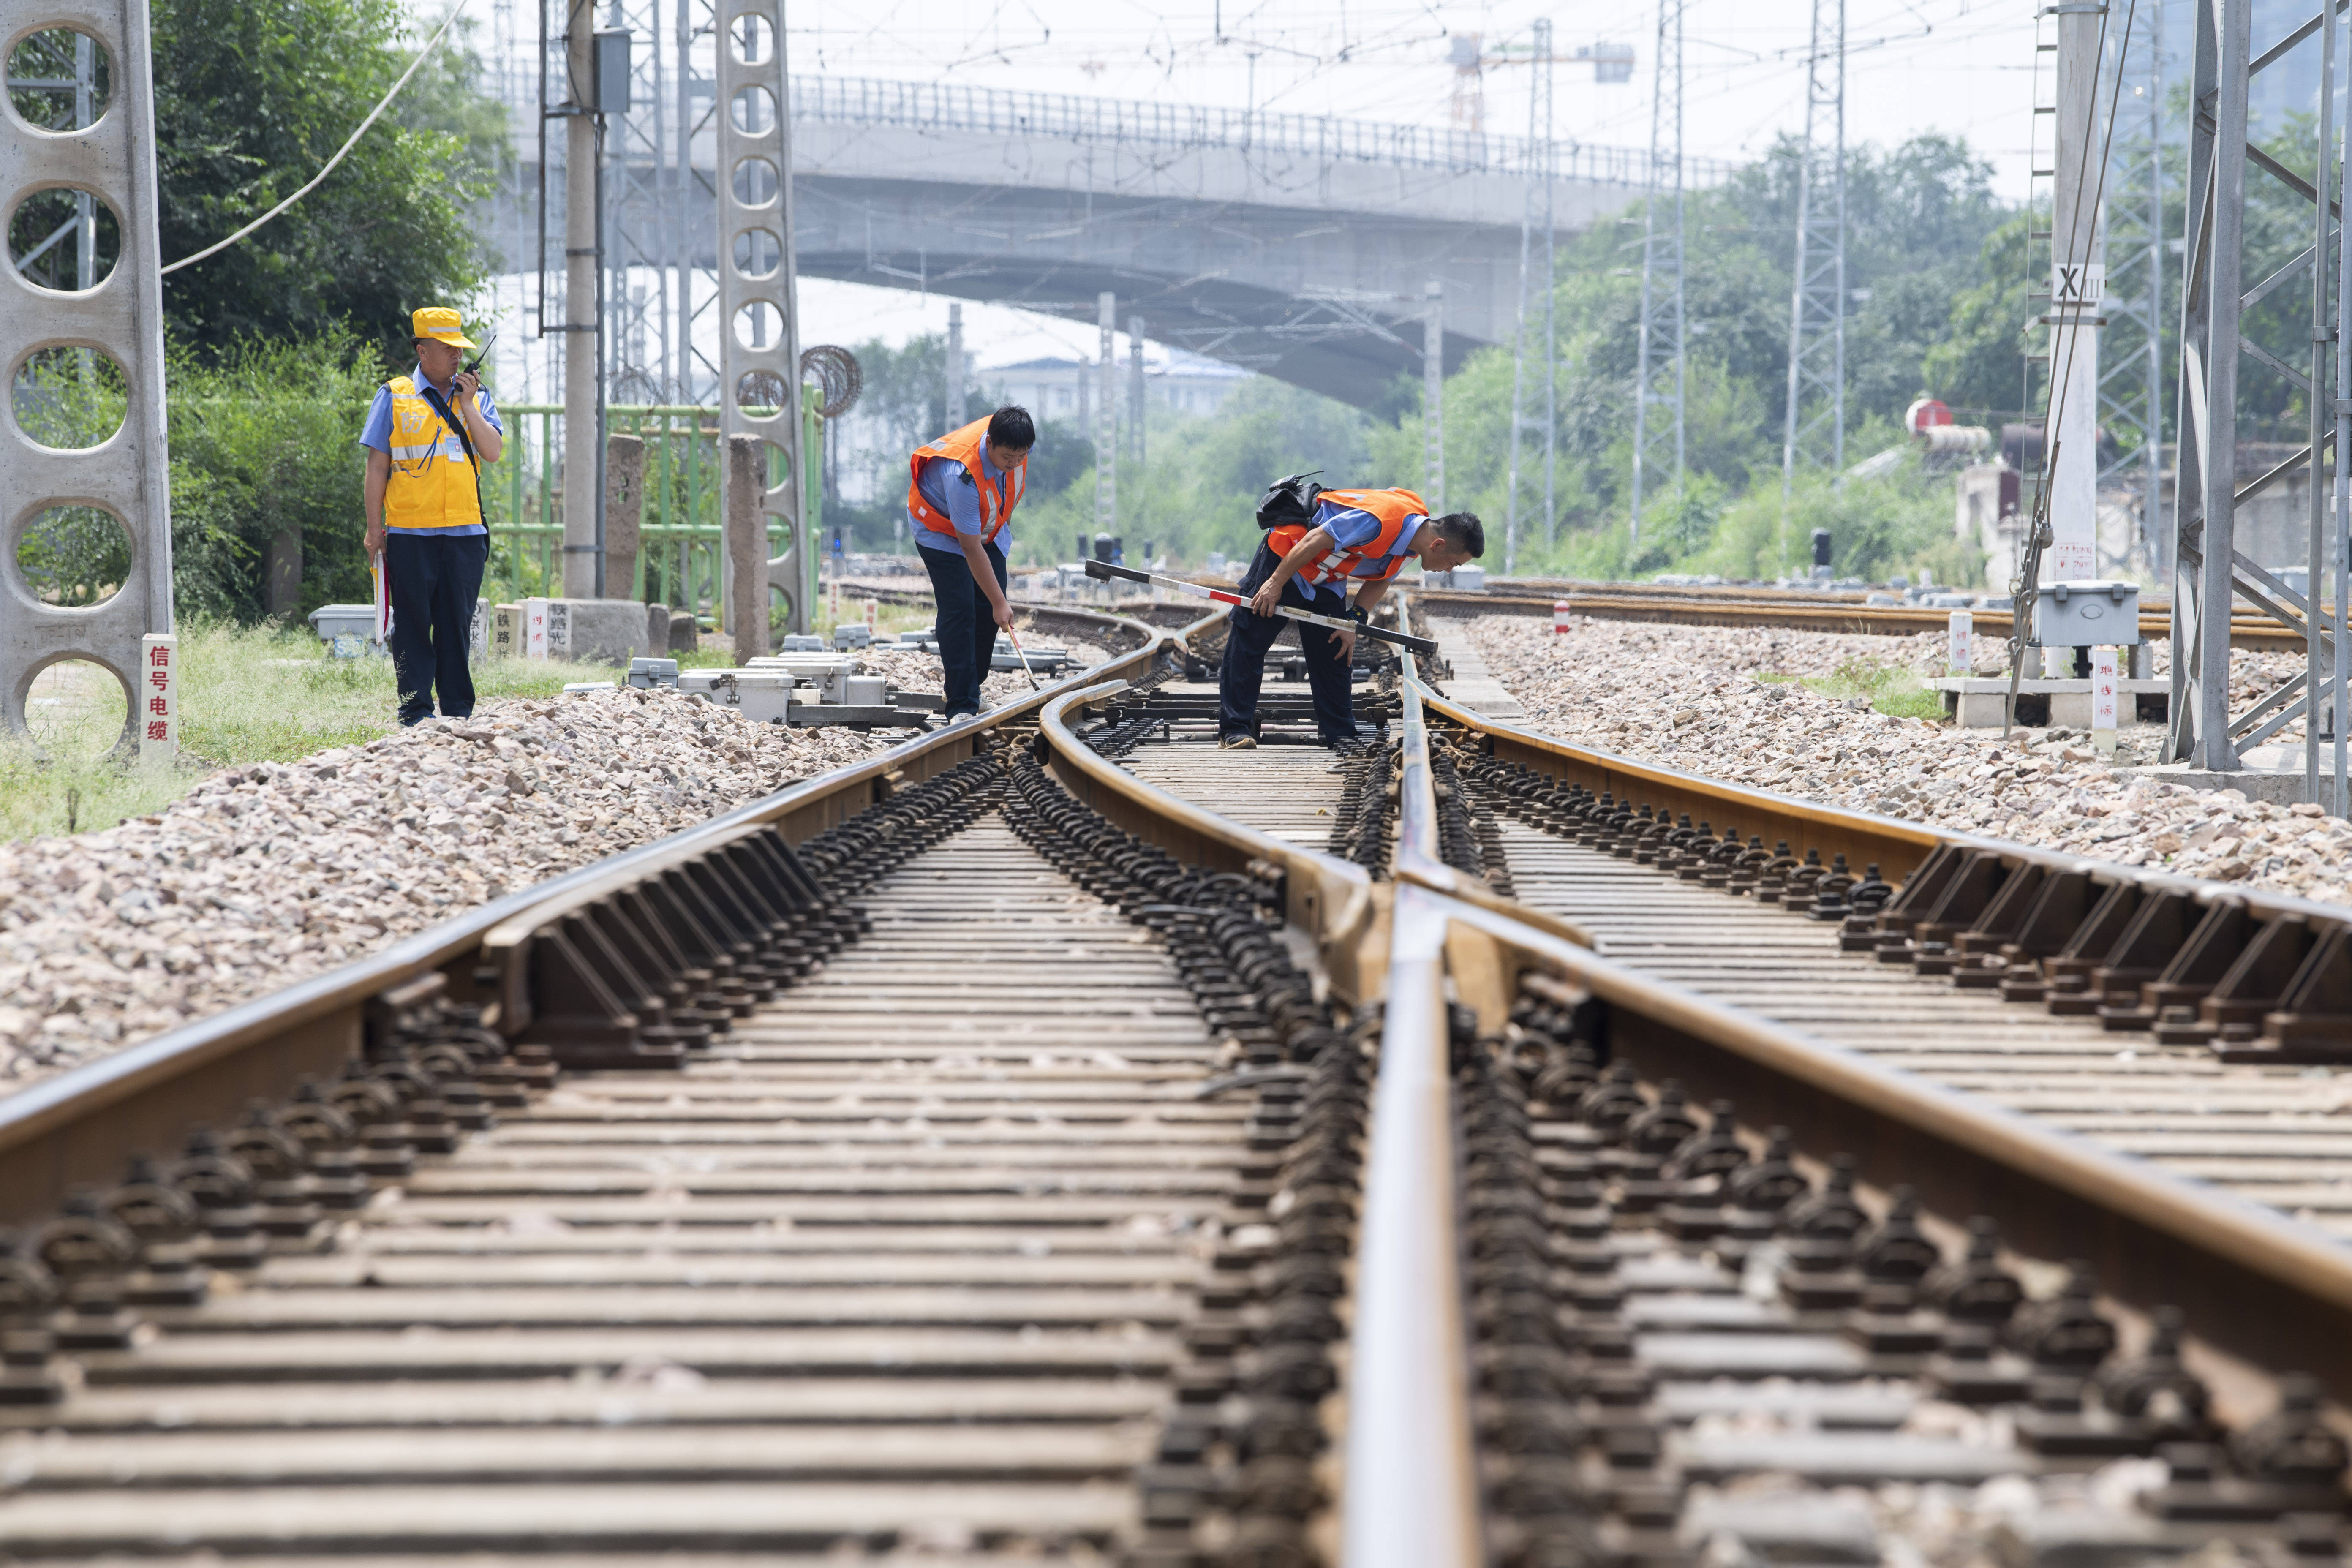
x=1559, y=613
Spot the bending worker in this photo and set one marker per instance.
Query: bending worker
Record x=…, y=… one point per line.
x=1360, y=538
x=426, y=436
x=960, y=492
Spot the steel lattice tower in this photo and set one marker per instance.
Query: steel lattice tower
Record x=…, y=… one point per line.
x=2131, y=379
x=1814, y=431
x=1658, y=379
x=694, y=192
x=638, y=281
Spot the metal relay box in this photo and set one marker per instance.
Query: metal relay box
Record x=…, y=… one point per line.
x=2086, y=614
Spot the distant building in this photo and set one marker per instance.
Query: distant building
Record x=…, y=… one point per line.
x=1063, y=389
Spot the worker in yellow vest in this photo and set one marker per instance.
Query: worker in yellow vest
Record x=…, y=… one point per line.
x=427, y=436
x=1359, y=539
x=960, y=492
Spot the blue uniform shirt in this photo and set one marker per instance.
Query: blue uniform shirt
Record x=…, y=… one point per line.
x=376, y=435
x=1350, y=528
x=947, y=485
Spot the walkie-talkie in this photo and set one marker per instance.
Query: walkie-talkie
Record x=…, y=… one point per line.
x=476, y=362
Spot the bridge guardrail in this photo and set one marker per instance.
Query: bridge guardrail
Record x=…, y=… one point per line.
x=948, y=106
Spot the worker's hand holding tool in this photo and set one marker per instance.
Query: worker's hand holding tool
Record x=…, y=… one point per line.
x=1002, y=610
x=1268, y=595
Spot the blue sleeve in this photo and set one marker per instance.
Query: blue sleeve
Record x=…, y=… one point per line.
x=490, y=410
x=1348, y=526
x=376, y=434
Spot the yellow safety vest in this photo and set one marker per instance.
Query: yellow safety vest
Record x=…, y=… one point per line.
x=433, y=483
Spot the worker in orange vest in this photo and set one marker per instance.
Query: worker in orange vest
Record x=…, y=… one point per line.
x=960, y=492
x=1361, y=539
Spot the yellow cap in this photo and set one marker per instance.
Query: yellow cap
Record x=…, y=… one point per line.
x=439, y=322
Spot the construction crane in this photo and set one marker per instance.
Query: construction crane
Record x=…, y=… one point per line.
x=1612, y=64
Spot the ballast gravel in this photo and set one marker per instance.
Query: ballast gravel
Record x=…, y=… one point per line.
x=1692, y=698
x=263, y=875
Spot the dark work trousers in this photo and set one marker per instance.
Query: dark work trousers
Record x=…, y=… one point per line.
x=966, y=628
x=1250, y=634
x=436, y=582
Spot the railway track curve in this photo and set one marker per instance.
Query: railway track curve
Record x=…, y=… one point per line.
x=1057, y=1139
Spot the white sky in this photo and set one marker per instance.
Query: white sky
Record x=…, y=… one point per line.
x=1961, y=66
x=1958, y=66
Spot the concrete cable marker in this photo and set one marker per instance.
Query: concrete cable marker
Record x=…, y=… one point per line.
x=1105, y=572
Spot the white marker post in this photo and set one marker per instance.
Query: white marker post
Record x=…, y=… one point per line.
x=157, y=700
x=1559, y=614
x=534, y=628
x=1959, y=643
x=2103, y=700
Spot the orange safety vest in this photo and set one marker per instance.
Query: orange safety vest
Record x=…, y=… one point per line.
x=963, y=446
x=1395, y=509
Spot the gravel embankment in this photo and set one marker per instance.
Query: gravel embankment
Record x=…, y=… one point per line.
x=1689, y=697
x=263, y=875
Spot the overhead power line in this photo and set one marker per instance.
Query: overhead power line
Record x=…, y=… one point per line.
x=422, y=55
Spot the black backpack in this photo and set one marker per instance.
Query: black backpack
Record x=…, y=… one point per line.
x=1289, y=500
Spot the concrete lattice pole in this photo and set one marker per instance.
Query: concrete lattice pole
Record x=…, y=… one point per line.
x=953, y=402
x=1107, y=417
x=581, y=333
x=2077, y=282
x=1135, y=390
x=1433, y=396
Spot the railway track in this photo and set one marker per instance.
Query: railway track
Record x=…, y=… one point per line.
x=1057, y=1139
x=1764, y=607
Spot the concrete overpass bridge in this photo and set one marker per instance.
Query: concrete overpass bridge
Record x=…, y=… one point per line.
x=1296, y=246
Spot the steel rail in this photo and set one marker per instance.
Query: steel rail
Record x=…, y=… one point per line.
x=1703, y=607
x=1410, y=1491
x=1898, y=847
x=80, y=1126
x=1333, y=901
x=1418, y=856
x=2254, y=1279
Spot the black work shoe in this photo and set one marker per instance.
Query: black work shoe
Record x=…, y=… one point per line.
x=1237, y=742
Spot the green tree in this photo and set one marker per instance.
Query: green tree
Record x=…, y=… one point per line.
x=1918, y=218
x=251, y=101
x=265, y=441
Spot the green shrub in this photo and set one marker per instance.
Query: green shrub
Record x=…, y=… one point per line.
x=265, y=441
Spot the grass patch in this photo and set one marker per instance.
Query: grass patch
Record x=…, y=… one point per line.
x=1889, y=690
x=247, y=695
